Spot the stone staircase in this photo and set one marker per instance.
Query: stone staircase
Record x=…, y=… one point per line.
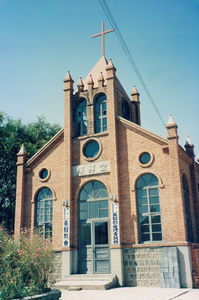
x=87, y=282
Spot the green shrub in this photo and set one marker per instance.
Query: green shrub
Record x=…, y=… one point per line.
x=26, y=266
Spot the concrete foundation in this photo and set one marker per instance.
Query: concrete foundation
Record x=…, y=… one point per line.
x=117, y=264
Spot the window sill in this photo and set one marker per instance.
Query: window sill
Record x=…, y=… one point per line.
x=84, y=137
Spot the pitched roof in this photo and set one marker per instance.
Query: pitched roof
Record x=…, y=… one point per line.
x=46, y=147
x=97, y=70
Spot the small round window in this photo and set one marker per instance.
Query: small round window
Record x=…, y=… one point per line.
x=43, y=174
x=91, y=149
x=145, y=158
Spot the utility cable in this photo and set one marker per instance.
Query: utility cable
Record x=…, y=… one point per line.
x=130, y=58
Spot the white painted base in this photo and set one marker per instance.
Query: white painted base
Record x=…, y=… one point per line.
x=117, y=264
x=185, y=266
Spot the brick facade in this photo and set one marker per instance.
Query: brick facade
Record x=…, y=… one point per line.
x=121, y=145
x=195, y=264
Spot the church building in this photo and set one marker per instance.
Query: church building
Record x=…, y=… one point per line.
x=117, y=200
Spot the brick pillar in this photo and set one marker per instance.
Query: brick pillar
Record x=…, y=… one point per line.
x=195, y=197
x=174, y=183
x=19, y=203
x=90, y=113
x=116, y=251
x=136, y=102
x=68, y=96
x=111, y=122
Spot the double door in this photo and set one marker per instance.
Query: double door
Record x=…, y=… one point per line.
x=94, y=253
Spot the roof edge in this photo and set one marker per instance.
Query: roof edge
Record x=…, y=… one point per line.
x=138, y=129
x=45, y=147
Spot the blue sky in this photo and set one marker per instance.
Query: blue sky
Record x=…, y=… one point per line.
x=41, y=39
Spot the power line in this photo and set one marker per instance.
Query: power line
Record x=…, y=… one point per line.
x=122, y=42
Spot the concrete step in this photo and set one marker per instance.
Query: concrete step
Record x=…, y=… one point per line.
x=91, y=277
x=87, y=282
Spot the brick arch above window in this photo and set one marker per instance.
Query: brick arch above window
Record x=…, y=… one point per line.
x=136, y=178
x=87, y=181
x=37, y=189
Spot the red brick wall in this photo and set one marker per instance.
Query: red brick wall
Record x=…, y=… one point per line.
x=195, y=264
x=122, y=145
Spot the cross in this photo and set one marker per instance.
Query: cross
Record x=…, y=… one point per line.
x=102, y=34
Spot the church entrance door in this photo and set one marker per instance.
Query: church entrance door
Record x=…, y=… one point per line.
x=94, y=253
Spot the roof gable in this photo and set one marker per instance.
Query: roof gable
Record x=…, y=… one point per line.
x=97, y=70
x=55, y=139
x=143, y=132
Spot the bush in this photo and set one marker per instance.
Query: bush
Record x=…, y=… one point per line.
x=26, y=266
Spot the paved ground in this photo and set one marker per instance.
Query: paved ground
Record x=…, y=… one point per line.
x=136, y=293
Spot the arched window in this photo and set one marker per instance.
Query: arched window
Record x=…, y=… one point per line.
x=186, y=207
x=100, y=114
x=149, y=216
x=44, y=212
x=94, y=256
x=81, y=118
x=93, y=201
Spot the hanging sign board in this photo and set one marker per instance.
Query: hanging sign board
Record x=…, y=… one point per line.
x=115, y=223
x=66, y=227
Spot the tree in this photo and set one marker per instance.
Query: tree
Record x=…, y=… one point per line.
x=12, y=134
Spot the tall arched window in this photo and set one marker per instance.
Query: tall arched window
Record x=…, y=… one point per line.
x=81, y=118
x=94, y=253
x=100, y=114
x=44, y=211
x=186, y=207
x=93, y=201
x=149, y=215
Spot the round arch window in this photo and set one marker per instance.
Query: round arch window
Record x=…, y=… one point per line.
x=93, y=201
x=91, y=149
x=44, y=174
x=146, y=159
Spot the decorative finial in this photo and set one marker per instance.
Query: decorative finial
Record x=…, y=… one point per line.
x=102, y=34
x=170, y=120
x=68, y=77
x=91, y=82
x=188, y=142
x=134, y=91
x=80, y=85
x=110, y=64
x=22, y=150
x=101, y=77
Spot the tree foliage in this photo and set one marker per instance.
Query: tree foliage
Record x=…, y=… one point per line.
x=26, y=266
x=12, y=134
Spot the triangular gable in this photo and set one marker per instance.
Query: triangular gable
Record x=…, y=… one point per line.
x=55, y=139
x=141, y=131
x=99, y=68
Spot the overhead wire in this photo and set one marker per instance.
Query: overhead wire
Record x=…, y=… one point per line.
x=130, y=58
